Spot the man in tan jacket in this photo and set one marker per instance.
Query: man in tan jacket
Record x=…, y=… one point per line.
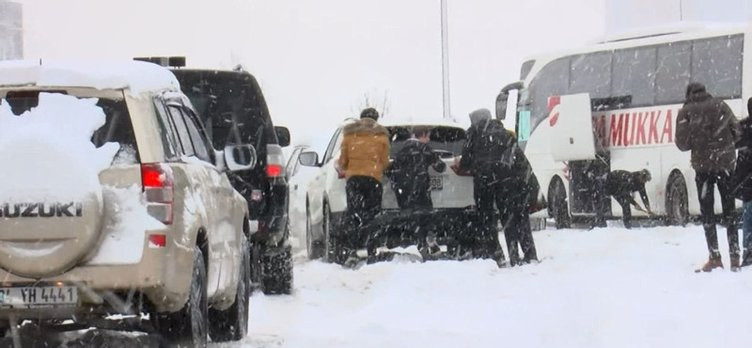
x=363, y=159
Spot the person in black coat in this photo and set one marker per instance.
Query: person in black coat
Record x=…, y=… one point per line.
x=518, y=191
x=409, y=171
x=743, y=183
x=411, y=182
x=621, y=185
x=484, y=157
x=706, y=126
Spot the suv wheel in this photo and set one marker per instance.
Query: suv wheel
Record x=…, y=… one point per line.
x=277, y=271
x=314, y=247
x=188, y=326
x=231, y=324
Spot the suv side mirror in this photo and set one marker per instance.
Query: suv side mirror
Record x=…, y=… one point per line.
x=240, y=157
x=283, y=136
x=309, y=159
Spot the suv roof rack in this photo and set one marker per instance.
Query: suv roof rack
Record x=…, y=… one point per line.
x=174, y=62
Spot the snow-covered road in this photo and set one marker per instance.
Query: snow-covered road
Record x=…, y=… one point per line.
x=601, y=288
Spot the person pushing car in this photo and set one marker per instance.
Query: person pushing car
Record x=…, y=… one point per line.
x=363, y=158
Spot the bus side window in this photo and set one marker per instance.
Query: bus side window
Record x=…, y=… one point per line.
x=591, y=73
x=717, y=63
x=672, y=72
x=634, y=77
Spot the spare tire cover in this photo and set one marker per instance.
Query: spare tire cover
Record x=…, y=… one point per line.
x=50, y=206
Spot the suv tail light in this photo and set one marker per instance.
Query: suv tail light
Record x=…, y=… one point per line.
x=273, y=170
x=275, y=161
x=157, y=182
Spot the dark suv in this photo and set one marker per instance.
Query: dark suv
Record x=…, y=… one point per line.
x=232, y=107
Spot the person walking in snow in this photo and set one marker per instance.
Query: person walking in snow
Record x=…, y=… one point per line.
x=364, y=156
x=411, y=181
x=743, y=183
x=482, y=156
x=621, y=185
x=707, y=128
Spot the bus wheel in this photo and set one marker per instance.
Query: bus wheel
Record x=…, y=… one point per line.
x=559, y=206
x=677, y=211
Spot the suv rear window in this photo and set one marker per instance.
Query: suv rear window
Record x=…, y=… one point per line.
x=116, y=129
x=448, y=141
x=231, y=106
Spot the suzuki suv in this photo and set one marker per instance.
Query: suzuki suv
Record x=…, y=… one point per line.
x=113, y=201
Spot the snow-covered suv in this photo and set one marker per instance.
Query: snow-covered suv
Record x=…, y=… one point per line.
x=326, y=202
x=113, y=201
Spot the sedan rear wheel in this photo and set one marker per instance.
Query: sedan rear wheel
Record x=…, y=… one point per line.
x=314, y=247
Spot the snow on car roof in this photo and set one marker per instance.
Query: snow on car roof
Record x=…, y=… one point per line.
x=429, y=123
x=135, y=76
x=390, y=122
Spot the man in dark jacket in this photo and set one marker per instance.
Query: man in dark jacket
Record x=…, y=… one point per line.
x=621, y=185
x=411, y=181
x=482, y=156
x=707, y=127
x=518, y=190
x=409, y=171
x=743, y=183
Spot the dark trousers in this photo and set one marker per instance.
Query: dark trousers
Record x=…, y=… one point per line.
x=419, y=202
x=706, y=182
x=515, y=217
x=487, y=192
x=626, y=209
x=420, y=199
x=363, y=204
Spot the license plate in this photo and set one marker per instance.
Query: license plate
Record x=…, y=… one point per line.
x=437, y=183
x=38, y=296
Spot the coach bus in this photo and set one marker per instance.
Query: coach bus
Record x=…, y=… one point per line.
x=621, y=97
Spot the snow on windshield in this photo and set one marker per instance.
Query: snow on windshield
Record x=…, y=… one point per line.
x=46, y=152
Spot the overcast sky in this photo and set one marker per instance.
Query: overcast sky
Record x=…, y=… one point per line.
x=317, y=60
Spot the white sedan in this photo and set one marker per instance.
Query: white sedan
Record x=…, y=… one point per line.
x=326, y=202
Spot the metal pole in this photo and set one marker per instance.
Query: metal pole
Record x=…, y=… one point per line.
x=445, y=60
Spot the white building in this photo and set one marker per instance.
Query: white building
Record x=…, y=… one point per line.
x=626, y=15
x=11, y=30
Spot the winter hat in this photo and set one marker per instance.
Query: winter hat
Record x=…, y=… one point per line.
x=370, y=113
x=479, y=116
x=695, y=88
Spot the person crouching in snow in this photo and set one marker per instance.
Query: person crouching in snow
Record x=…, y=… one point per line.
x=411, y=181
x=363, y=158
x=743, y=183
x=621, y=185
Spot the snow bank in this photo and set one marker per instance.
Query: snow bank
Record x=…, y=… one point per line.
x=134, y=75
x=46, y=153
x=601, y=288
